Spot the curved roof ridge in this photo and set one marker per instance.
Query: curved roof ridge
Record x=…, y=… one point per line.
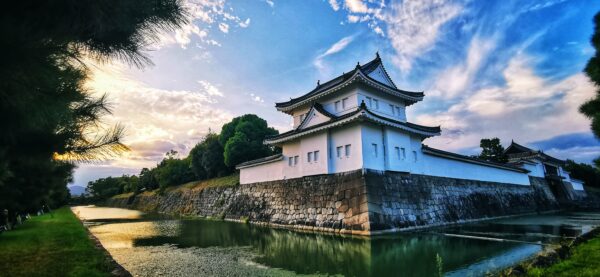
x=364, y=70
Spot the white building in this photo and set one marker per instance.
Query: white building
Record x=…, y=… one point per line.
x=358, y=121
x=540, y=165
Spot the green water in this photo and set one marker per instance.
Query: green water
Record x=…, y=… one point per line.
x=417, y=254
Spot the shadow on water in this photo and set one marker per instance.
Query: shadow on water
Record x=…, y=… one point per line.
x=417, y=254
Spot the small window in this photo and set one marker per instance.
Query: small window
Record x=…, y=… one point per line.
x=347, y=150
x=415, y=155
x=295, y=160
x=344, y=103
x=403, y=153
x=398, y=111
x=376, y=102
x=317, y=156
x=369, y=101
x=397, y=150
x=339, y=151
x=393, y=110
x=337, y=106
x=374, y=145
x=291, y=161
x=302, y=117
x=309, y=157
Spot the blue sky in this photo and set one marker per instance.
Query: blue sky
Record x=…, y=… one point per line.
x=507, y=69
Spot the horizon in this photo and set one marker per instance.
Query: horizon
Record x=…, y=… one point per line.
x=476, y=62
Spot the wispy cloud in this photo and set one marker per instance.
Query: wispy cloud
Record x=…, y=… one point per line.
x=256, y=98
x=356, y=6
x=455, y=80
x=335, y=48
x=413, y=27
x=528, y=107
x=334, y=5
x=156, y=119
x=224, y=27
x=204, y=14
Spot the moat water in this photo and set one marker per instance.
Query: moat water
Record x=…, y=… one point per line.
x=150, y=244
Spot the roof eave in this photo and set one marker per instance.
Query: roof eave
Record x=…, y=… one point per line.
x=357, y=76
x=251, y=164
x=441, y=153
x=361, y=114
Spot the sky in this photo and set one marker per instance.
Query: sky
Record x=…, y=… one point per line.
x=493, y=68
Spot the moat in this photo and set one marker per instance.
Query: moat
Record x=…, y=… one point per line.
x=151, y=244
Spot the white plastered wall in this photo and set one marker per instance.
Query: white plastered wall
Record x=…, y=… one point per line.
x=348, y=135
x=262, y=173
x=577, y=185
x=384, y=101
x=310, y=144
x=290, y=150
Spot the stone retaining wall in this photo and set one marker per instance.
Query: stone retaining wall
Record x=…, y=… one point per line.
x=405, y=201
x=358, y=202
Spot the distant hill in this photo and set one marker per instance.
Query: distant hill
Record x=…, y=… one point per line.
x=76, y=190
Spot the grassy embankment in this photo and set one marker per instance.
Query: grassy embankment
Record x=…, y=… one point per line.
x=584, y=260
x=56, y=245
x=191, y=187
x=226, y=181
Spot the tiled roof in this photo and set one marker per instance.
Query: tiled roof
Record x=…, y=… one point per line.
x=361, y=113
x=268, y=159
x=516, y=151
x=333, y=83
x=433, y=151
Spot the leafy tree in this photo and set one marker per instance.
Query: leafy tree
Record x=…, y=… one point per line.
x=47, y=116
x=196, y=155
x=243, y=137
x=147, y=179
x=492, y=150
x=105, y=187
x=591, y=108
x=588, y=174
x=213, y=159
x=173, y=171
x=207, y=158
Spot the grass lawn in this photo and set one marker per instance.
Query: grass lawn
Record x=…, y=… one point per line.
x=584, y=261
x=51, y=246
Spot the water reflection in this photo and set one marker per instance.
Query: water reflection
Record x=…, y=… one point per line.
x=392, y=255
x=310, y=253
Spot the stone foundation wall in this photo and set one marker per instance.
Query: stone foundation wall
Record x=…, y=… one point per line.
x=335, y=202
x=358, y=202
x=402, y=201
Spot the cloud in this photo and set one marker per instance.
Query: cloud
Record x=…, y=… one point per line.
x=203, y=14
x=335, y=48
x=210, y=89
x=256, y=98
x=245, y=24
x=526, y=107
x=567, y=141
x=270, y=3
x=156, y=120
x=456, y=79
x=224, y=27
x=334, y=5
x=412, y=26
x=356, y=6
